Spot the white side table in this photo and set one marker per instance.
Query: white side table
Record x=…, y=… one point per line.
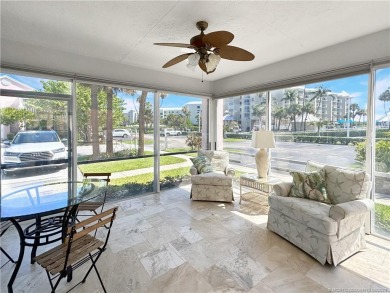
x=264, y=185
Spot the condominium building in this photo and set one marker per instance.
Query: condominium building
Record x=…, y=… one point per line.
x=132, y=116
x=332, y=107
x=193, y=107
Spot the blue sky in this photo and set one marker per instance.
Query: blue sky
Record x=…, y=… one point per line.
x=356, y=86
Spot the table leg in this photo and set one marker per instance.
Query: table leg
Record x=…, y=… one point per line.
x=36, y=240
x=20, y=257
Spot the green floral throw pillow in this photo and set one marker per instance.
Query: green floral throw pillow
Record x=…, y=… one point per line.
x=309, y=185
x=202, y=164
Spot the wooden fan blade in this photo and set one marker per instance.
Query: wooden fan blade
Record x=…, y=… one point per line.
x=180, y=45
x=218, y=39
x=176, y=60
x=235, y=53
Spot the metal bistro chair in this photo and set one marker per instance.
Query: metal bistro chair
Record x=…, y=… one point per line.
x=92, y=206
x=4, y=225
x=78, y=248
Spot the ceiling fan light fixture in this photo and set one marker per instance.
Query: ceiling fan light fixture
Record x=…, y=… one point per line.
x=193, y=60
x=209, y=49
x=213, y=62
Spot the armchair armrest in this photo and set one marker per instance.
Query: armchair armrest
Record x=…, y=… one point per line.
x=347, y=209
x=230, y=172
x=350, y=216
x=193, y=170
x=282, y=189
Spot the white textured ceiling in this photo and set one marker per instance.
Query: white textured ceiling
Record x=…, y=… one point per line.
x=124, y=32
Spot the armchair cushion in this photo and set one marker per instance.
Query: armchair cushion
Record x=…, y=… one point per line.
x=309, y=185
x=345, y=185
x=310, y=213
x=199, y=162
x=219, y=159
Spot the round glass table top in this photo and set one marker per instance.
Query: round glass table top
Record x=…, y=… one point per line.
x=49, y=197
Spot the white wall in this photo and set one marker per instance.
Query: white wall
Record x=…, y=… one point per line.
x=356, y=51
x=15, y=53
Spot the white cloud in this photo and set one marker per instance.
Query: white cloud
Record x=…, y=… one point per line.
x=356, y=94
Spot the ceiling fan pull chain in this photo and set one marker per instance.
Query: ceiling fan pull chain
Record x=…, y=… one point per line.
x=202, y=76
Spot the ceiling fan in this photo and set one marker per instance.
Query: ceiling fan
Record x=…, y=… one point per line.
x=209, y=49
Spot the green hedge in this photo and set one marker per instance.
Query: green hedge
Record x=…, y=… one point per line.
x=328, y=139
x=244, y=135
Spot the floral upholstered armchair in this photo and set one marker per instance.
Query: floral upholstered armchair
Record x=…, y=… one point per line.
x=211, y=176
x=323, y=211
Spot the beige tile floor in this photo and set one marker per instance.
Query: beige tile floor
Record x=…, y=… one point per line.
x=167, y=243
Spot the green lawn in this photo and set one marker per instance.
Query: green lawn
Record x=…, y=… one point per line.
x=176, y=150
x=233, y=150
x=126, y=165
x=148, y=177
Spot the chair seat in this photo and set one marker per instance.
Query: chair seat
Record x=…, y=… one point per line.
x=212, y=178
x=54, y=259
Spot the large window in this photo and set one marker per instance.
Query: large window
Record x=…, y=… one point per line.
x=35, y=131
x=328, y=120
x=382, y=152
x=115, y=130
x=183, y=131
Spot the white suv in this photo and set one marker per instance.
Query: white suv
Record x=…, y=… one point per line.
x=121, y=133
x=170, y=131
x=32, y=146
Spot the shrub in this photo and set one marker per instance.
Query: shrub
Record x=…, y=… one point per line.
x=10, y=136
x=382, y=216
x=194, y=140
x=382, y=154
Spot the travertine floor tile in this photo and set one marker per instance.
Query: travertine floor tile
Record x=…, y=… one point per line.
x=168, y=243
x=157, y=262
x=287, y=280
x=183, y=278
x=245, y=271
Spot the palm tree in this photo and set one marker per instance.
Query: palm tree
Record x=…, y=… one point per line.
x=279, y=114
x=361, y=113
x=385, y=97
x=94, y=121
x=187, y=113
x=294, y=109
x=141, y=123
x=307, y=109
x=318, y=95
x=354, y=109
x=109, y=126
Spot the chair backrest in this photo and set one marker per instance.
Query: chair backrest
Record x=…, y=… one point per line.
x=91, y=224
x=219, y=159
x=104, y=176
x=81, y=229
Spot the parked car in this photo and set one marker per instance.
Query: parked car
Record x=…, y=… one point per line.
x=32, y=146
x=121, y=133
x=170, y=131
